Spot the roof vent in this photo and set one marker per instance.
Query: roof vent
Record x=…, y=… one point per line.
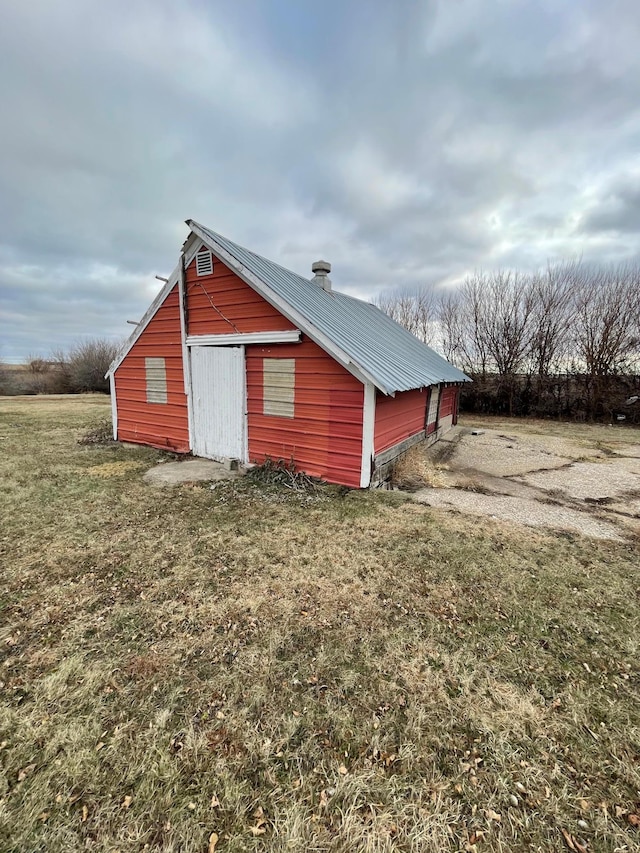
x=321, y=277
x=204, y=263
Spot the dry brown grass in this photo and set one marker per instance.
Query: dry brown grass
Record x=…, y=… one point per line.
x=348, y=674
x=414, y=470
x=602, y=436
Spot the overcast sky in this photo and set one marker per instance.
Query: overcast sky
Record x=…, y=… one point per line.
x=406, y=142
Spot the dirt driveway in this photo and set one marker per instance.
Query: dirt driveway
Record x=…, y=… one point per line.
x=542, y=474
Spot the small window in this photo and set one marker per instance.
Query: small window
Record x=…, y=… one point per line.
x=204, y=263
x=156, y=375
x=279, y=376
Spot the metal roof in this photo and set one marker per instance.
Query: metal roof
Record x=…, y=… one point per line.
x=394, y=358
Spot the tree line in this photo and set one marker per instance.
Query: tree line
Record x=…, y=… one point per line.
x=562, y=342
x=79, y=369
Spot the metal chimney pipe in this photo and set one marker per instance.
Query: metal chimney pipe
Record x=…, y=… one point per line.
x=321, y=277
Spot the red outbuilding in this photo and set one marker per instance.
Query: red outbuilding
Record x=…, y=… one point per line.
x=240, y=358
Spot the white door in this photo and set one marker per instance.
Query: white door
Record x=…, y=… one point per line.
x=218, y=388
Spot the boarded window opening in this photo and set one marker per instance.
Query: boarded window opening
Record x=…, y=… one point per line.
x=279, y=377
x=432, y=411
x=204, y=263
x=156, y=376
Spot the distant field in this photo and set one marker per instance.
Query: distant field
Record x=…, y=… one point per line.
x=250, y=669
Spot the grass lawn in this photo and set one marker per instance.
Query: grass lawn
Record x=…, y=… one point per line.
x=594, y=435
x=248, y=668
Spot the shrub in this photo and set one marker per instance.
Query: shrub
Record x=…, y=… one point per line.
x=86, y=364
x=37, y=365
x=80, y=369
x=7, y=382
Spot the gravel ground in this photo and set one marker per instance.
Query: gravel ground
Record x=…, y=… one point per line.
x=519, y=510
x=630, y=506
x=503, y=455
x=510, y=474
x=555, y=445
x=584, y=480
x=478, y=481
x=629, y=450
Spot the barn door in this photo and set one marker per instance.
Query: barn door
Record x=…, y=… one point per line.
x=432, y=412
x=218, y=389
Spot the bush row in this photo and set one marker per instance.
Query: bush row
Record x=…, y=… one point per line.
x=80, y=369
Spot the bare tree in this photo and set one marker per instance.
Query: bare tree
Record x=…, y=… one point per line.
x=87, y=362
x=606, y=330
x=37, y=365
x=552, y=293
x=473, y=319
x=452, y=327
x=508, y=307
x=550, y=342
x=413, y=308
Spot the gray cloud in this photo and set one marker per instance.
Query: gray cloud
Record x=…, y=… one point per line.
x=408, y=142
x=616, y=208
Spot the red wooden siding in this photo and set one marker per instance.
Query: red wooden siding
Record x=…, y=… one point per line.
x=162, y=425
x=246, y=310
x=324, y=438
x=399, y=417
x=448, y=402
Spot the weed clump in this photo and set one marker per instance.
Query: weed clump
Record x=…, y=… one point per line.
x=280, y=473
x=102, y=434
x=414, y=471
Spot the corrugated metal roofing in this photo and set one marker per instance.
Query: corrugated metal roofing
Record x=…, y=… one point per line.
x=394, y=358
